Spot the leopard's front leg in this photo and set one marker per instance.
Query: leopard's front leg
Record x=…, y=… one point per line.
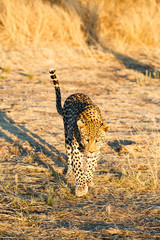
x=91, y=165
x=81, y=185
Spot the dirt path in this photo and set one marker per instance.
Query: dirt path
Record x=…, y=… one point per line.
x=36, y=201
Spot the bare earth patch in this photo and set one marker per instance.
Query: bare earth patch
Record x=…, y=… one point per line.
x=36, y=200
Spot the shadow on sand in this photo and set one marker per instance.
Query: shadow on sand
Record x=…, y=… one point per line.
x=24, y=135
x=117, y=145
x=136, y=65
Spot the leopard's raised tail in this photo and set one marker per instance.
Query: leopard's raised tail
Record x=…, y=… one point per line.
x=57, y=90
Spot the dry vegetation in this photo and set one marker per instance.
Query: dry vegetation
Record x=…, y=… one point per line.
x=110, y=51
x=77, y=22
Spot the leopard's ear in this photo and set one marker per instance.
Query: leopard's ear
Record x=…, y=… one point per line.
x=105, y=128
x=80, y=124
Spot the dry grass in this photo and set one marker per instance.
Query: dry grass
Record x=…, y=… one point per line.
x=37, y=23
x=76, y=23
x=36, y=200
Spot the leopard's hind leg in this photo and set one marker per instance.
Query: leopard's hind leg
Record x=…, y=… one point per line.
x=69, y=158
x=69, y=150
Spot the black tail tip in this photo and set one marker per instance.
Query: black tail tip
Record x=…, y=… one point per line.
x=52, y=71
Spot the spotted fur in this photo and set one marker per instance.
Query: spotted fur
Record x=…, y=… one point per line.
x=84, y=134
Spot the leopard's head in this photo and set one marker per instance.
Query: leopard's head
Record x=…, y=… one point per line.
x=92, y=135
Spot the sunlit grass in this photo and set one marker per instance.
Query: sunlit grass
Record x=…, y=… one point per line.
x=77, y=23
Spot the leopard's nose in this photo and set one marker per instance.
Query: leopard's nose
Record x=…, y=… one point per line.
x=91, y=151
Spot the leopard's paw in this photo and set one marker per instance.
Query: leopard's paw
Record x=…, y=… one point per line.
x=81, y=190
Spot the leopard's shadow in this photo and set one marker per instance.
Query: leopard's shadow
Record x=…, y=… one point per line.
x=117, y=145
x=40, y=145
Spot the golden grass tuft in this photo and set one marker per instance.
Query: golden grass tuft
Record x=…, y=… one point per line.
x=130, y=22
x=37, y=22
x=75, y=23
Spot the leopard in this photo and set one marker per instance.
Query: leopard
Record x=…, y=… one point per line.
x=85, y=133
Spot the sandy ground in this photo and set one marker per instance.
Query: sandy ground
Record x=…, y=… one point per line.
x=36, y=200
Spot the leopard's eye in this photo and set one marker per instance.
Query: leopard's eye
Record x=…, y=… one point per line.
x=87, y=140
x=96, y=141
